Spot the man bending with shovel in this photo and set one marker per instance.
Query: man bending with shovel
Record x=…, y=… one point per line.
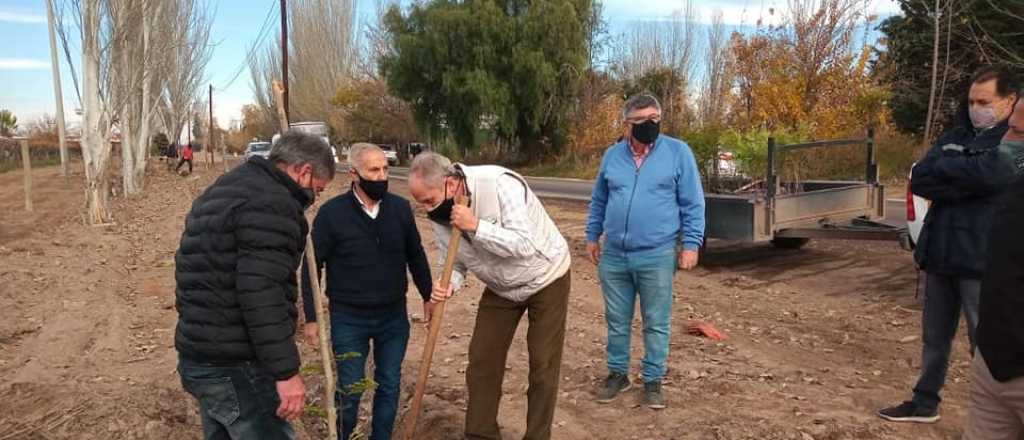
x=512, y=245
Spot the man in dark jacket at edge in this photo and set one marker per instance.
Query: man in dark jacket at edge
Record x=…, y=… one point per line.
x=964, y=177
x=997, y=375
x=236, y=291
x=367, y=238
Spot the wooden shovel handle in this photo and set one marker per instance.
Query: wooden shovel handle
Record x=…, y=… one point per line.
x=435, y=328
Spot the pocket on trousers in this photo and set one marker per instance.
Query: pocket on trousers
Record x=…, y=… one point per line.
x=217, y=397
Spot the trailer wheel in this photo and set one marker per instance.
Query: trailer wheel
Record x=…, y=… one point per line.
x=789, y=242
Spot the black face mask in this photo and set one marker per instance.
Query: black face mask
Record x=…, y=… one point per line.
x=374, y=189
x=442, y=214
x=310, y=194
x=647, y=132
x=310, y=197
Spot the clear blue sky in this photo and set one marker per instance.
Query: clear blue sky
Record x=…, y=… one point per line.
x=25, y=75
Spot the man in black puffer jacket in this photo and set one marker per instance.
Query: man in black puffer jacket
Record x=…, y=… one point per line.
x=236, y=291
x=964, y=176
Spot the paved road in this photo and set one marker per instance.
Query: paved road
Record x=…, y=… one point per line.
x=579, y=190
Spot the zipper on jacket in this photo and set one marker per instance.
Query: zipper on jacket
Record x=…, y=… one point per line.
x=629, y=208
x=636, y=180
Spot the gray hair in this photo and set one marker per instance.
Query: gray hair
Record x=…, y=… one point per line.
x=638, y=102
x=297, y=148
x=431, y=167
x=357, y=151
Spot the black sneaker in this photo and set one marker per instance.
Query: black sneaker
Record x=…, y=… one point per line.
x=653, y=397
x=613, y=385
x=909, y=412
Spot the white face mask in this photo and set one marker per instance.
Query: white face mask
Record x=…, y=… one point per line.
x=983, y=118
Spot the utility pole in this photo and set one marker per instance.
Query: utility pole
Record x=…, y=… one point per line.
x=284, y=57
x=209, y=131
x=55, y=61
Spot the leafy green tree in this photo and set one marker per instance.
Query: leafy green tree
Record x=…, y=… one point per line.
x=510, y=67
x=8, y=123
x=973, y=34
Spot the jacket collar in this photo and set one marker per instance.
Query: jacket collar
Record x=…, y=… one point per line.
x=281, y=177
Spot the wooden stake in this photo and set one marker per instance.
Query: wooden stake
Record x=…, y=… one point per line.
x=282, y=114
x=324, y=324
x=323, y=320
x=26, y=162
x=435, y=329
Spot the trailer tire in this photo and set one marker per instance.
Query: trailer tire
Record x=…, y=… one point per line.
x=789, y=242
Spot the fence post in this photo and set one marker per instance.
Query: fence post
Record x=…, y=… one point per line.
x=770, y=178
x=872, y=171
x=26, y=162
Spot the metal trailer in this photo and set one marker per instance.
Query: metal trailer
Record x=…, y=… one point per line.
x=821, y=209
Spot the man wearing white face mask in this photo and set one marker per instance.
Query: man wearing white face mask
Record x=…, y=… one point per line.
x=963, y=175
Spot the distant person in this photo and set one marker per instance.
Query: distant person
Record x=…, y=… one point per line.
x=236, y=291
x=170, y=154
x=648, y=205
x=368, y=240
x=997, y=376
x=186, y=156
x=963, y=178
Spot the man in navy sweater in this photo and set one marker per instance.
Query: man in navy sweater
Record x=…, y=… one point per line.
x=367, y=238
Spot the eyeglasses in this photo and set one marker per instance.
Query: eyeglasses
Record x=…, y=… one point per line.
x=635, y=121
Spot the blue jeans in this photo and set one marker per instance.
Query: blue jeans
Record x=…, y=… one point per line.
x=944, y=298
x=236, y=402
x=624, y=277
x=352, y=333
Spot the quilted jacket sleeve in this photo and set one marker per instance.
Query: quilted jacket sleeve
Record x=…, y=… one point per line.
x=269, y=238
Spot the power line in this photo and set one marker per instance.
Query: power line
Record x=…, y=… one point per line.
x=260, y=36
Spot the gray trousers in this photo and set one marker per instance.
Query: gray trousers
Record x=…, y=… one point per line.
x=997, y=408
x=944, y=298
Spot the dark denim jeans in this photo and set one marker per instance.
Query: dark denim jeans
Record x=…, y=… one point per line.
x=944, y=298
x=352, y=333
x=236, y=402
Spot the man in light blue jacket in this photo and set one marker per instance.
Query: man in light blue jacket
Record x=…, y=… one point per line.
x=649, y=206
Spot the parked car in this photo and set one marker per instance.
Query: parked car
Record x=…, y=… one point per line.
x=261, y=149
x=314, y=128
x=416, y=148
x=390, y=154
x=727, y=166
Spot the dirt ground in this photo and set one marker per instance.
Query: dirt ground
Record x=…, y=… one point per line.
x=818, y=338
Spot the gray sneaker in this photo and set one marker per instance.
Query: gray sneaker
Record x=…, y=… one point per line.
x=653, y=397
x=613, y=385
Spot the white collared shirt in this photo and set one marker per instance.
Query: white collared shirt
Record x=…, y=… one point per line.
x=372, y=212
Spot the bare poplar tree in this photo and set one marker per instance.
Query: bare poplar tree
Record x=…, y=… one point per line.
x=659, y=54
x=188, y=56
x=322, y=58
x=718, y=74
x=96, y=118
x=141, y=74
x=264, y=69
